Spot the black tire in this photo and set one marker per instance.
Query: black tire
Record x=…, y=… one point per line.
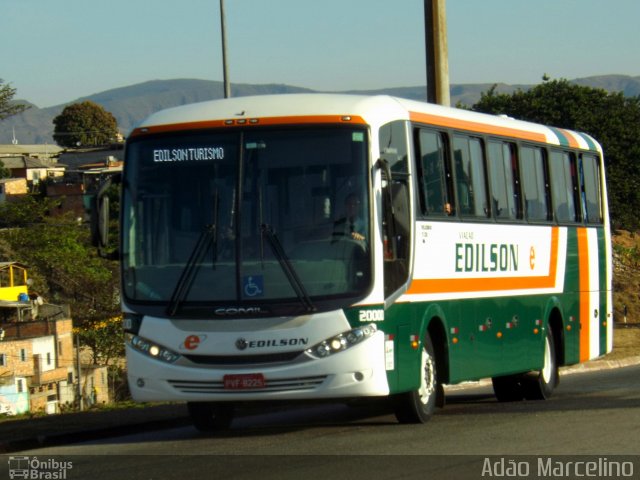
x=210, y=417
x=418, y=406
x=536, y=385
x=508, y=388
x=540, y=385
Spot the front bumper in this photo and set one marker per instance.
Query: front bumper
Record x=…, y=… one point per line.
x=356, y=372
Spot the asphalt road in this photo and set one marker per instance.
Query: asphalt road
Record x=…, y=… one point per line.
x=592, y=414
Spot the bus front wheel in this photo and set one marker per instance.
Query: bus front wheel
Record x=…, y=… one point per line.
x=417, y=406
x=209, y=416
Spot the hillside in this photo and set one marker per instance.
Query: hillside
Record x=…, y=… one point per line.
x=133, y=103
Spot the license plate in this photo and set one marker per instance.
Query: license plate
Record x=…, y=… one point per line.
x=244, y=381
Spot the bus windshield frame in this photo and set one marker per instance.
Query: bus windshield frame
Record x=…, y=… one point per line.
x=246, y=222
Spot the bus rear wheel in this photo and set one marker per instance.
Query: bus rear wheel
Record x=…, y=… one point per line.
x=539, y=385
x=418, y=406
x=209, y=416
x=508, y=388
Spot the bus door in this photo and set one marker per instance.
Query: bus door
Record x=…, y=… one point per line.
x=396, y=221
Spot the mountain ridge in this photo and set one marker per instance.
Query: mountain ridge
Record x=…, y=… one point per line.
x=131, y=104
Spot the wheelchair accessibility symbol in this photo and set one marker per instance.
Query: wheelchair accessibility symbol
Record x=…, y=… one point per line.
x=253, y=286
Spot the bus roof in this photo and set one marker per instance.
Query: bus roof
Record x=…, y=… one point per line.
x=371, y=110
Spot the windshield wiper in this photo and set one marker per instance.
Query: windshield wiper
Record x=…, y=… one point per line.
x=287, y=268
x=190, y=269
x=208, y=237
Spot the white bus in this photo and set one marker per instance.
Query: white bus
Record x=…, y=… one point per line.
x=331, y=246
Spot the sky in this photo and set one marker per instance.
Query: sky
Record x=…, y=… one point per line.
x=55, y=52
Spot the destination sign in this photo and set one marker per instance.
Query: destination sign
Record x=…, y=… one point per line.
x=188, y=154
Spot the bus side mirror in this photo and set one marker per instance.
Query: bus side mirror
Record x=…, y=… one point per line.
x=100, y=213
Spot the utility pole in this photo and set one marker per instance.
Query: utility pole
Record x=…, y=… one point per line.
x=225, y=73
x=79, y=375
x=435, y=26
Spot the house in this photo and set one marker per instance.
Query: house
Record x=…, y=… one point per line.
x=47, y=153
x=32, y=162
x=86, y=169
x=34, y=170
x=37, y=355
x=12, y=188
x=70, y=198
x=84, y=158
x=95, y=384
x=36, y=365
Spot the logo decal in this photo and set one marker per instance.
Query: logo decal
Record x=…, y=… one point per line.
x=193, y=341
x=241, y=344
x=532, y=258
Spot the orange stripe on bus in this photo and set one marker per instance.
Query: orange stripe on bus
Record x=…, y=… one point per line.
x=489, y=284
x=476, y=127
x=250, y=122
x=573, y=143
x=583, y=289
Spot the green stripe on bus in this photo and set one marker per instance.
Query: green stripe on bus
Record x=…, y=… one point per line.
x=589, y=140
x=562, y=138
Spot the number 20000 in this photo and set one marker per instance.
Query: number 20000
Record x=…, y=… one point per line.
x=371, y=315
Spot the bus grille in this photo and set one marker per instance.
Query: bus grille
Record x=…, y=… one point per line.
x=272, y=385
x=243, y=359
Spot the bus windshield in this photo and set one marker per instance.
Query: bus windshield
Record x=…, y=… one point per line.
x=264, y=217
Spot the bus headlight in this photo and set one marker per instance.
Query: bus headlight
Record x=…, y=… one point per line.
x=342, y=341
x=152, y=350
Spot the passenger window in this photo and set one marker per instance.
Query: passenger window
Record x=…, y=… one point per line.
x=435, y=176
x=534, y=184
x=470, y=177
x=591, y=194
x=564, y=183
x=505, y=184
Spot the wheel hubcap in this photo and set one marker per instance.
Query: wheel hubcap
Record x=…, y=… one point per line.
x=428, y=382
x=546, y=369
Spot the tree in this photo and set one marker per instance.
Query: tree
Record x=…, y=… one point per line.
x=4, y=172
x=85, y=123
x=66, y=270
x=7, y=106
x=611, y=118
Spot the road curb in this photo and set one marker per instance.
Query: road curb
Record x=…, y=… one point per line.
x=601, y=364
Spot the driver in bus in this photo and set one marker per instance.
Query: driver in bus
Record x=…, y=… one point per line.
x=352, y=225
